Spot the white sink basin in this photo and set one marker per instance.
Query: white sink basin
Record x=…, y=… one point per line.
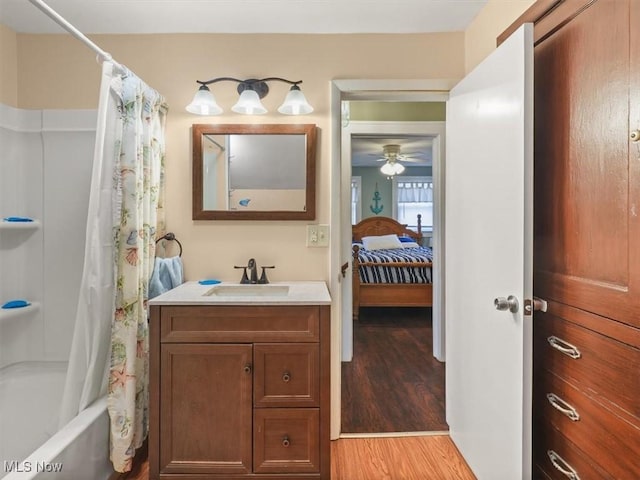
x=249, y=291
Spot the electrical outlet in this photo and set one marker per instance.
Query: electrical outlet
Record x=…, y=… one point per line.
x=317, y=235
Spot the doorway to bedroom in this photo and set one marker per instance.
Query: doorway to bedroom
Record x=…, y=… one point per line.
x=390, y=377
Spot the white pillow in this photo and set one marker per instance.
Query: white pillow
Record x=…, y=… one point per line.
x=381, y=242
x=409, y=244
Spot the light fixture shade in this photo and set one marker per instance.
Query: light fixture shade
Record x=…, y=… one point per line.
x=295, y=103
x=204, y=103
x=249, y=103
x=391, y=169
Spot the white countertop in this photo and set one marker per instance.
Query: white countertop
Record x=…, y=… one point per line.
x=192, y=293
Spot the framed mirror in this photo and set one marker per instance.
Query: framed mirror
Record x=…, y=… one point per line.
x=254, y=172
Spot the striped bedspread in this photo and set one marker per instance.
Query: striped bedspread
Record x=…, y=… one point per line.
x=382, y=274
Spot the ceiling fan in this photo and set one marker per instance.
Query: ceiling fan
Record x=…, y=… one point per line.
x=392, y=158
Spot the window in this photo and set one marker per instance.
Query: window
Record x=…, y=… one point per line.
x=413, y=196
x=356, y=199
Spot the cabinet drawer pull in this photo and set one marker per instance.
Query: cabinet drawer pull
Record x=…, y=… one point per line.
x=564, y=347
x=247, y=368
x=562, y=406
x=286, y=377
x=562, y=466
x=285, y=441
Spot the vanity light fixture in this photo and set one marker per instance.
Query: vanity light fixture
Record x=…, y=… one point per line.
x=251, y=91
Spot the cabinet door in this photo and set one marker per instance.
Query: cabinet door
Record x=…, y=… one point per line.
x=587, y=223
x=205, y=409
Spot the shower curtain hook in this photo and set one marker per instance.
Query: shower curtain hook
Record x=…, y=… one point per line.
x=103, y=57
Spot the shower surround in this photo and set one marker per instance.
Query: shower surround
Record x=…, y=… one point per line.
x=45, y=174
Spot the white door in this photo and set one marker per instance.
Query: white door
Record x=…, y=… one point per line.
x=489, y=209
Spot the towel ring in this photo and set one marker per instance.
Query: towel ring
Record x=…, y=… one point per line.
x=171, y=236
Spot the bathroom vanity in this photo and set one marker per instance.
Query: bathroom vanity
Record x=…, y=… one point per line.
x=239, y=382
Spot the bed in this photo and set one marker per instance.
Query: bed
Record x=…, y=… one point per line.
x=405, y=278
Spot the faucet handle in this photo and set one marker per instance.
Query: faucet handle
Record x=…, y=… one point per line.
x=263, y=277
x=245, y=278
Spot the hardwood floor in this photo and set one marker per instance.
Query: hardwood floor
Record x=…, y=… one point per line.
x=400, y=458
x=393, y=384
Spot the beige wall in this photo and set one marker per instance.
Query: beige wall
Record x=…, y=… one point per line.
x=57, y=71
x=8, y=66
x=493, y=19
x=172, y=63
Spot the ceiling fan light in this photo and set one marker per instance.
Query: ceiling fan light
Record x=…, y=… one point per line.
x=295, y=103
x=249, y=104
x=392, y=168
x=204, y=103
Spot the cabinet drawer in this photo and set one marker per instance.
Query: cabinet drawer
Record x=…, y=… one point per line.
x=286, y=440
x=549, y=441
x=605, y=368
x=607, y=439
x=203, y=324
x=286, y=375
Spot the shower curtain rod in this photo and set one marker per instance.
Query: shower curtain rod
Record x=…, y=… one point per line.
x=60, y=20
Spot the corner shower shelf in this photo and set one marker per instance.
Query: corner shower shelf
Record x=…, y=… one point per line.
x=11, y=313
x=20, y=225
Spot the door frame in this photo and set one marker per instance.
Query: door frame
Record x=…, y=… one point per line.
x=382, y=90
x=435, y=129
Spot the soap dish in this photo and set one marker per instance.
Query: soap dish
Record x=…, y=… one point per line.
x=16, y=304
x=209, y=282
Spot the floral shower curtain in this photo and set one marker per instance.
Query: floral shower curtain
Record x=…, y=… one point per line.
x=137, y=192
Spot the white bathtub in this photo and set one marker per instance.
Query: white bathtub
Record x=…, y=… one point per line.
x=30, y=445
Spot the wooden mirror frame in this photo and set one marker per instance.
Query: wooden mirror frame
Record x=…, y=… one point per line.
x=199, y=130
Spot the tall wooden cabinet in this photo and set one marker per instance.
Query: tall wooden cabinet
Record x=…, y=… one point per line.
x=587, y=238
x=239, y=392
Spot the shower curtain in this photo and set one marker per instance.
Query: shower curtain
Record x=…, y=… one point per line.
x=110, y=345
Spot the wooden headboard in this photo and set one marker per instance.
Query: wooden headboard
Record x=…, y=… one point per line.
x=384, y=226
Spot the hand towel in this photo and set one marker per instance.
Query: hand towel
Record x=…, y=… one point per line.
x=167, y=274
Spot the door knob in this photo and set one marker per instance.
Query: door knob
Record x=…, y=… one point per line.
x=510, y=303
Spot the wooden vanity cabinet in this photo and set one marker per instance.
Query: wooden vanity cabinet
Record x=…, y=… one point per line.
x=239, y=392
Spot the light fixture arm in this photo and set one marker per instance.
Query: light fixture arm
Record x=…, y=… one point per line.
x=259, y=85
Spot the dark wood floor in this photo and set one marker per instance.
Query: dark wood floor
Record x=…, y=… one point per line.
x=393, y=384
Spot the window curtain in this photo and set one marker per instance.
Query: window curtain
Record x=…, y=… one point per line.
x=354, y=193
x=138, y=190
x=415, y=192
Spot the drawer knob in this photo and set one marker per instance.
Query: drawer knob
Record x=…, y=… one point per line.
x=286, y=377
x=563, y=407
x=564, y=347
x=285, y=441
x=562, y=466
x=247, y=368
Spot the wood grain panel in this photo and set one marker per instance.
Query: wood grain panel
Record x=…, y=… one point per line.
x=205, y=389
x=607, y=370
x=201, y=324
x=286, y=375
x=393, y=383
x=584, y=222
x=547, y=438
x=608, y=439
x=285, y=440
x=410, y=458
x=389, y=294
x=426, y=457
